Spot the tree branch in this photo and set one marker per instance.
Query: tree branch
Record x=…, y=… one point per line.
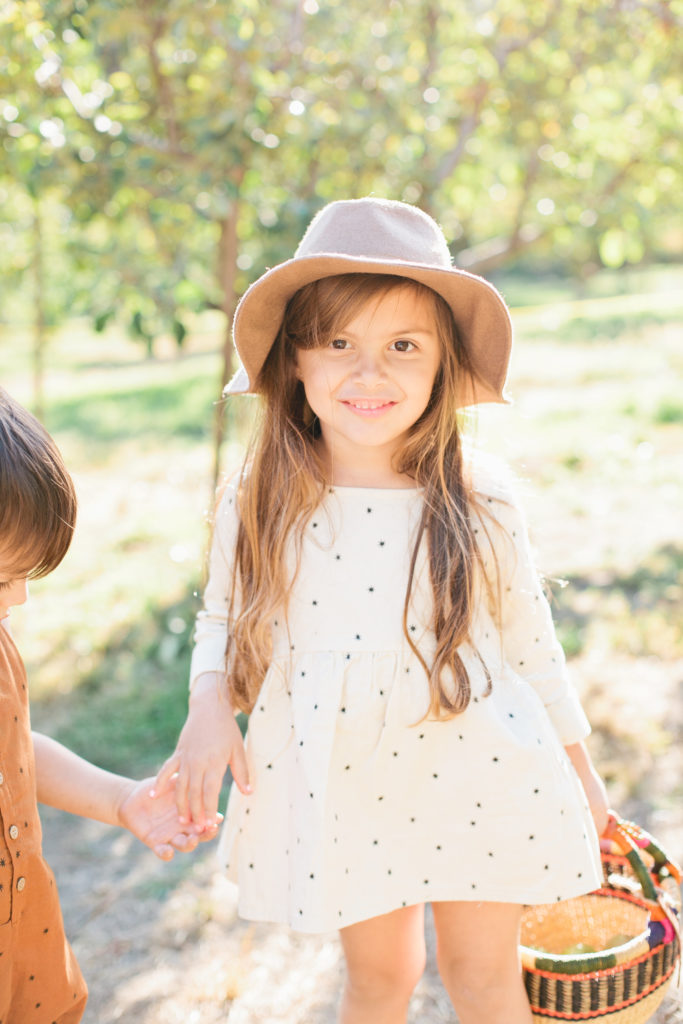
x=166, y=105
x=227, y=271
x=430, y=35
x=495, y=251
x=502, y=51
x=450, y=161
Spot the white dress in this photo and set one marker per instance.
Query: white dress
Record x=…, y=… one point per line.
x=359, y=806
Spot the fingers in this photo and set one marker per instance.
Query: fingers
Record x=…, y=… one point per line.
x=193, y=775
x=197, y=806
x=211, y=791
x=166, y=773
x=184, y=842
x=601, y=819
x=196, y=790
x=210, y=832
x=164, y=851
x=239, y=769
x=182, y=795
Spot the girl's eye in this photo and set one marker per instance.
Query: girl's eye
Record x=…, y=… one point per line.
x=6, y=586
x=338, y=343
x=403, y=345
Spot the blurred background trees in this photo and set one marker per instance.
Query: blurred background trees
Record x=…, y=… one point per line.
x=157, y=156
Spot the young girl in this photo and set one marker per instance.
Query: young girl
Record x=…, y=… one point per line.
x=372, y=604
x=40, y=981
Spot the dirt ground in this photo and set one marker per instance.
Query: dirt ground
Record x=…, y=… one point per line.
x=161, y=944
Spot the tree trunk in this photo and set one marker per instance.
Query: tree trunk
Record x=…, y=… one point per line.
x=39, y=339
x=227, y=270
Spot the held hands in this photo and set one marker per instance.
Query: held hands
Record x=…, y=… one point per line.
x=155, y=822
x=209, y=741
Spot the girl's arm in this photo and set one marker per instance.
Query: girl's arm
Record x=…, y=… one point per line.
x=533, y=651
x=530, y=644
x=67, y=781
x=594, y=787
x=209, y=741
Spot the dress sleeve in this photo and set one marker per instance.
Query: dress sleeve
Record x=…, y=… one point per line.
x=211, y=628
x=530, y=645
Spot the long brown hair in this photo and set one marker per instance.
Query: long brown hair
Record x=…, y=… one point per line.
x=284, y=480
x=37, y=496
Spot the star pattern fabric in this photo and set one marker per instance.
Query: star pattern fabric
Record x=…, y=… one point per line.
x=360, y=804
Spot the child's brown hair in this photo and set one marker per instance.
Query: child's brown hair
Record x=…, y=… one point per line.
x=284, y=482
x=37, y=495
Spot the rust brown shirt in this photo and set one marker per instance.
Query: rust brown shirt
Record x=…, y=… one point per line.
x=40, y=981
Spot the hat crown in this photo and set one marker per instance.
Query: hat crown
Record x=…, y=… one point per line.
x=381, y=229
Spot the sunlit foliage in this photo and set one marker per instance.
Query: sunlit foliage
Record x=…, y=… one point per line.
x=162, y=153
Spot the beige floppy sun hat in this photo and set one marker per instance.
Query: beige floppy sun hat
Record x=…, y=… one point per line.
x=377, y=236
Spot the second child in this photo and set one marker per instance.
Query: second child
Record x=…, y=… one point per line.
x=40, y=981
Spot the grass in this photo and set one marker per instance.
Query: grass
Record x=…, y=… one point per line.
x=637, y=613
x=125, y=711
x=669, y=410
x=595, y=436
x=537, y=287
x=148, y=413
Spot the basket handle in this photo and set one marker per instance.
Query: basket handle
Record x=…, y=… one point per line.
x=629, y=839
x=644, y=841
x=622, y=834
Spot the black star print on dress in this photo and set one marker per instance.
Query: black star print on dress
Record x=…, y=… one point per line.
x=359, y=806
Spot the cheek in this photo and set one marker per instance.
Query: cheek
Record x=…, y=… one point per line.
x=421, y=383
x=17, y=593
x=304, y=367
x=13, y=596
x=316, y=376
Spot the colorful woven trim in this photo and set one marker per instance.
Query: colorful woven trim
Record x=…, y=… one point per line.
x=602, y=992
x=624, y=984
x=659, y=930
x=631, y=841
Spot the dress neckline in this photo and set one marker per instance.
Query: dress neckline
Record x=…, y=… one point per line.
x=351, y=489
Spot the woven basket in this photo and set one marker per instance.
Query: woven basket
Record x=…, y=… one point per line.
x=623, y=982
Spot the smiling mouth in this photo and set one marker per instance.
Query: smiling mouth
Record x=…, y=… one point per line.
x=368, y=404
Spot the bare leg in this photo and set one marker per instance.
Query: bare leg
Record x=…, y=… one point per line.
x=478, y=958
x=385, y=958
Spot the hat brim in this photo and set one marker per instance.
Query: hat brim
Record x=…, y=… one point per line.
x=480, y=314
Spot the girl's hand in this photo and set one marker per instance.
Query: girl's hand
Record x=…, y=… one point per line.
x=155, y=822
x=209, y=741
x=593, y=786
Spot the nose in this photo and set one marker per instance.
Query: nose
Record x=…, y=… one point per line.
x=369, y=368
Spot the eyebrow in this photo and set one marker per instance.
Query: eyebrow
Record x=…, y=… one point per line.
x=417, y=330
x=396, y=334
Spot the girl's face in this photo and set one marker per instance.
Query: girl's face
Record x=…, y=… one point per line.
x=13, y=580
x=12, y=591
x=371, y=383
